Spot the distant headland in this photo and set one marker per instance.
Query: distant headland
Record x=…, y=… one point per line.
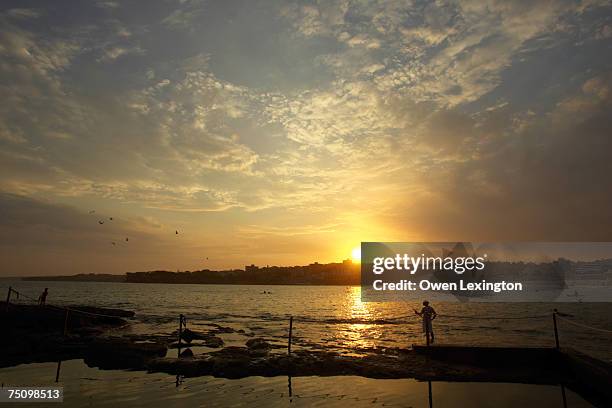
x=336, y=273
x=562, y=273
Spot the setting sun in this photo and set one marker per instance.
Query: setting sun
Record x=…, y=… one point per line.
x=356, y=254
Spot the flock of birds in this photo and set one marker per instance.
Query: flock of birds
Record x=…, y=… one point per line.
x=127, y=239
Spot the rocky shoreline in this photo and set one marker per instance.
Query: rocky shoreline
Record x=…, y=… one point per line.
x=35, y=334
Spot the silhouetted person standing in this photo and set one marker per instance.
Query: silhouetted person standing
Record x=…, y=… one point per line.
x=42, y=299
x=428, y=314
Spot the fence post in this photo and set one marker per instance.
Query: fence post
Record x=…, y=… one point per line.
x=8, y=298
x=290, y=334
x=180, y=333
x=57, y=372
x=555, y=327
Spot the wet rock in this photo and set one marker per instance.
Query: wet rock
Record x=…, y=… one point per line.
x=21, y=347
x=239, y=362
x=45, y=319
x=156, y=338
x=208, y=340
x=223, y=329
x=232, y=352
x=231, y=362
x=258, y=344
x=214, y=342
x=35, y=333
x=258, y=347
x=89, y=332
x=183, y=345
x=188, y=335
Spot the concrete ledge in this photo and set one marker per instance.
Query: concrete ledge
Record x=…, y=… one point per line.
x=588, y=376
x=491, y=356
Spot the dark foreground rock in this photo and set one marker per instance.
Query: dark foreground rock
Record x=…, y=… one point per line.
x=258, y=344
x=52, y=319
x=237, y=362
x=207, y=339
x=46, y=333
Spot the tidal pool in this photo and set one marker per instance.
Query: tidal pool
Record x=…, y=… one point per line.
x=92, y=387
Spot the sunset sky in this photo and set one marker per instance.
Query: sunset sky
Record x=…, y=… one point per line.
x=287, y=132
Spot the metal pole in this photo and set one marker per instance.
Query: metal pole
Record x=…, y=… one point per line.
x=555, y=327
x=290, y=334
x=563, y=396
x=57, y=373
x=180, y=333
x=430, y=394
x=8, y=298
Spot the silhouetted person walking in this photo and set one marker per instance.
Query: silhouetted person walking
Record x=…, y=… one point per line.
x=42, y=299
x=428, y=314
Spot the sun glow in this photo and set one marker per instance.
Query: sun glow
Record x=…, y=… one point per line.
x=356, y=254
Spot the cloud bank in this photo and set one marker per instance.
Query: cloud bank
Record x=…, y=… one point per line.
x=287, y=133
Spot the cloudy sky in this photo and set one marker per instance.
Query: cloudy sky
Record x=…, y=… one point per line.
x=287, y=132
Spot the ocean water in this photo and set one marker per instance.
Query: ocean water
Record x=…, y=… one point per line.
x=331, y=317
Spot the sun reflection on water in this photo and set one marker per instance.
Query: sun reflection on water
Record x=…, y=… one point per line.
x=358, y=333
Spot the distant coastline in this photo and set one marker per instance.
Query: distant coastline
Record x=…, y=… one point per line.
x=338, y=273
x=81, y=277
x=560, y=272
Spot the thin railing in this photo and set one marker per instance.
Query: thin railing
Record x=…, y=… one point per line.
x=584, y=326
x=68, y=310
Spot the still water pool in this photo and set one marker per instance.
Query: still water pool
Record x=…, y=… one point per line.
x=91, y=387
